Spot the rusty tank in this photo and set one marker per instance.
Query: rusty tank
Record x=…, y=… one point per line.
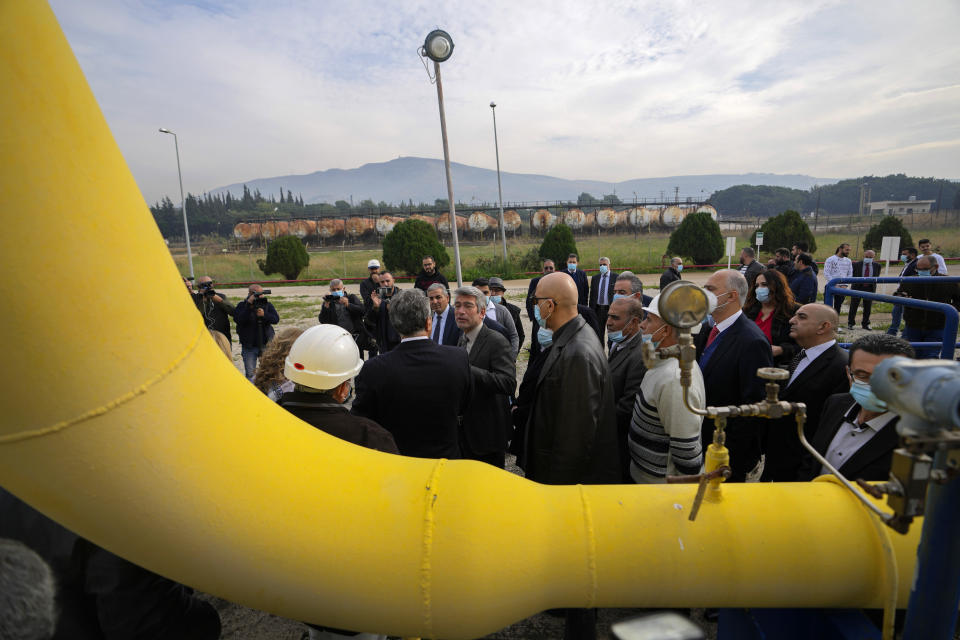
x=574, y=218
x=357, y=226
x=542, y=220
x=479, y=222
x=303, y=228
x=708, y=208
x=673, y=215
x=430, y=220
x=385, y=224
x=511, y=220
x=330, y=228
x=247, y=231
x=608, y=219
x=273, y=229
x=443, y=224
x=643, y=217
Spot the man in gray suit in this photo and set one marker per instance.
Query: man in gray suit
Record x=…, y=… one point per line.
x=486, y=426
x=626, y=367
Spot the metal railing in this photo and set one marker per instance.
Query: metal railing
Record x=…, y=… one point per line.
x=951, y=320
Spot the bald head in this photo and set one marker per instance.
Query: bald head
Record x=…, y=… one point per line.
x=557, y=299
x=814, y=324
x=925, y=263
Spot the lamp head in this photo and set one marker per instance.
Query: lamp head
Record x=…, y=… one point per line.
x=438, y=45
x=163, y=130
x=493, y=105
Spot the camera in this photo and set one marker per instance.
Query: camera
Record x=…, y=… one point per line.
x=385, y=292
x=265, y=292
x=259, y=298
x=331, y=298
x=206, y=288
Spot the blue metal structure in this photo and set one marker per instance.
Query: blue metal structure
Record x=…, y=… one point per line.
x=951, y=321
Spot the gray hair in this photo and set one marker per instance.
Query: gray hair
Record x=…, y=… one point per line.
x=437, y=285
x=336, y=282
x=28, y=606
x=736, y=282
x=675, y=261
x=409, y=310
x=602, y=258
x=636, y=286
x=476, y=293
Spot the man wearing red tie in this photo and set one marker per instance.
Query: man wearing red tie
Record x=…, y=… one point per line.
x=865, y=268
x=729, y=356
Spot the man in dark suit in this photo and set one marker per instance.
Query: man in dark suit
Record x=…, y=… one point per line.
x=486, y=428
x=601, y=293
x=857, y=434
x=818, y=371
x=865, y=268
x=629, y=286
x=749, y=267
x=672, y=273
x=909, y=258
x=626, y=368
x=444, y=329
x=497, y=291
x=535, y=348
x=729, y=355
x=579, y=277
x=391, y=388
x=379, y=309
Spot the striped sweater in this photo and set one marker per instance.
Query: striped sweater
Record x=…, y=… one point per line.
x=664, y=436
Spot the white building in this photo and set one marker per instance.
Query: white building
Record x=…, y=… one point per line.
x=901, y=207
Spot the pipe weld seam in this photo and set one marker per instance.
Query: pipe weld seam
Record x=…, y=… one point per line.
x=429, y=526
x=109, y=406
x=591, y=546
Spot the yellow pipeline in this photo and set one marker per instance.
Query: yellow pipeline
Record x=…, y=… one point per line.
x=124, y=422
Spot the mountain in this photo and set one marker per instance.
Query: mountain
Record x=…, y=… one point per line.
x=423, y=180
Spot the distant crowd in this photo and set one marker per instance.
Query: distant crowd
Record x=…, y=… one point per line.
x=432, y=372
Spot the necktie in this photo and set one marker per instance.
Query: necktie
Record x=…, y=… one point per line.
x=436, y=327
x=463, y=340
x=713, y=335
x=866, y=270
x=796, y=360
x=603, y=290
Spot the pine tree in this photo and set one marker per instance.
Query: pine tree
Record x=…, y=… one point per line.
x=698, y=237
x=888, y=226
x=785, y=230
x=558, y=244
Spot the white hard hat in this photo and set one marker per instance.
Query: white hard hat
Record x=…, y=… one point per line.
x=654, y=306
x=323, y=357
x=373, y=263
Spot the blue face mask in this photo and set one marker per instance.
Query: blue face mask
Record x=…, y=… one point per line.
x=864, y=396
x=763, y=294
x=544, y=337
x=603, y=269
x=648, y=337
x=615, y=336
x=571, y=266
x=537, y=316
x=339, y=294
x=903, y=257
x=679, y=267
x=867, y=260
x=496, y=299
x=617, y=296
x=923, y=272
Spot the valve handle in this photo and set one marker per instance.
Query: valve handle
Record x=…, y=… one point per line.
x=773, y=373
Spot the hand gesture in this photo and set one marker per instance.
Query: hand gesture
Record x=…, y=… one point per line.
x=260, y=312
x=375, y=299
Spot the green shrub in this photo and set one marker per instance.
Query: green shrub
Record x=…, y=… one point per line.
x=785, y=230
x=557, y=245
x=698, y=238
x=411, y=240
x=888, y=226
x=285, y=256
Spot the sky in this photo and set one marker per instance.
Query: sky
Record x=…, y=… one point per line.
x=610, y=90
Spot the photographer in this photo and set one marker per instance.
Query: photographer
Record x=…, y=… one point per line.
x=344, y=310
x=379, y=308
x=254, y=317
x=213, y=306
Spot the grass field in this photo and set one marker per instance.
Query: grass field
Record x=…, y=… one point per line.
x=642, y=254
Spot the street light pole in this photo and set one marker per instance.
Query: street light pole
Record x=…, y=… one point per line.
x=183, y=202
x=496, y=147
x=446, y=165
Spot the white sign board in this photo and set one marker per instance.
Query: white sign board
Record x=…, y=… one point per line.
x=731, y=246
x=759, y=238
x=890, y=249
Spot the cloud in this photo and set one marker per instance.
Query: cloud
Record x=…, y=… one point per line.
x=607, y=91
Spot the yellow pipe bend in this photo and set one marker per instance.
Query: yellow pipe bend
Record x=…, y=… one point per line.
x=126, y=424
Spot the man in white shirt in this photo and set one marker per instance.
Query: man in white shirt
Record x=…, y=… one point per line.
x=838, y=266
x=927, y=250
x=857, y=434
